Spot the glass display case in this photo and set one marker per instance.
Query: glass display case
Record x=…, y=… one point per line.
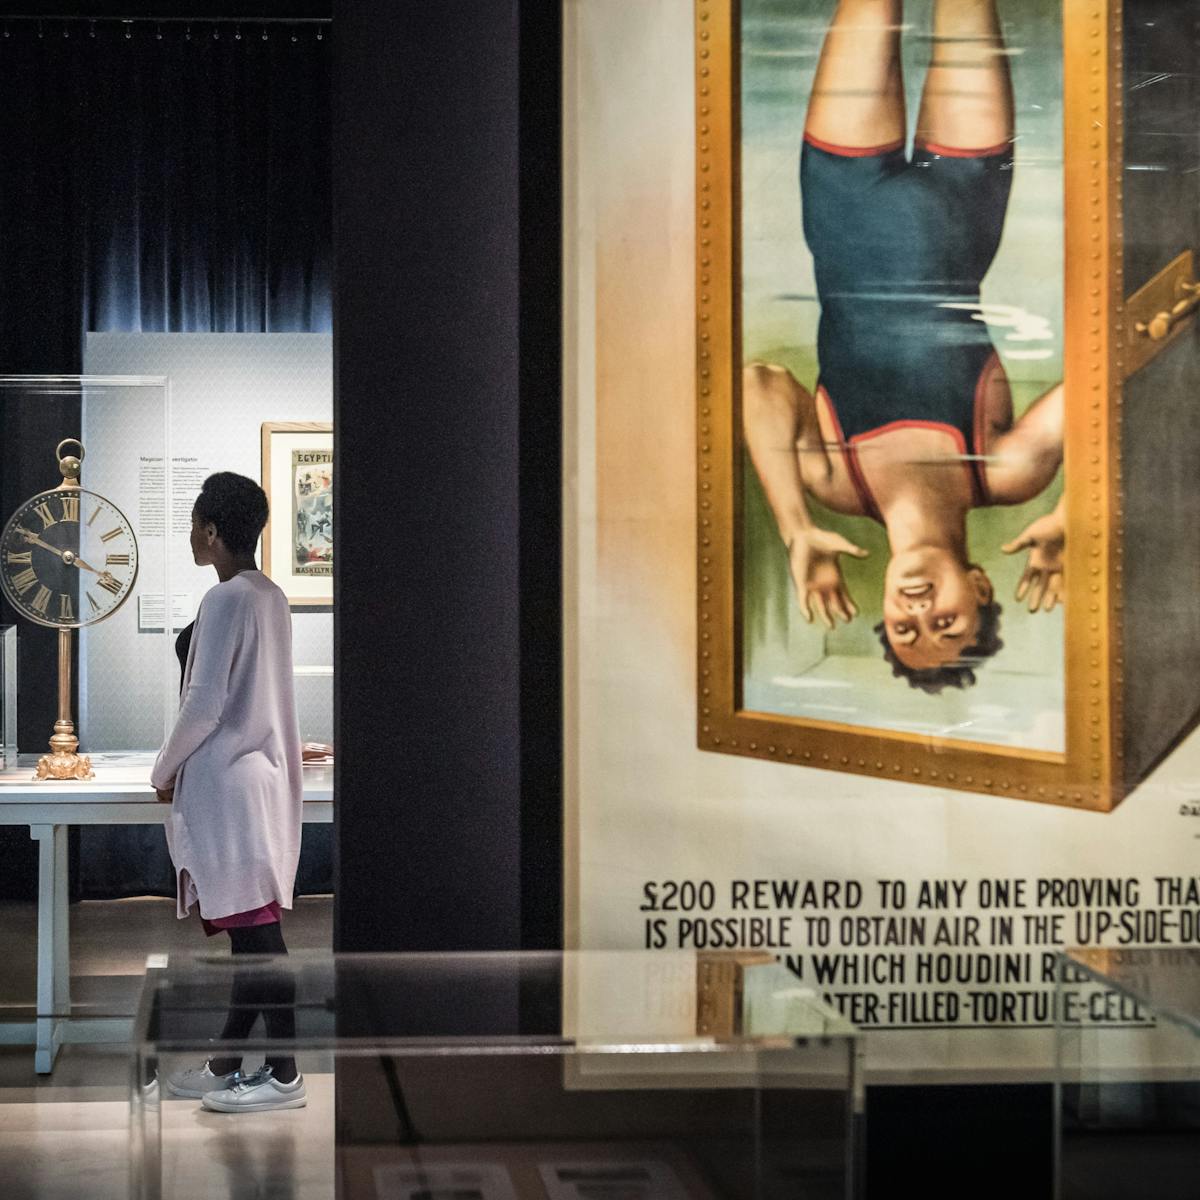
x=8, y=695
x=1127, y=1088
x=124, y=686
x=553, y=1076
x=149, y=442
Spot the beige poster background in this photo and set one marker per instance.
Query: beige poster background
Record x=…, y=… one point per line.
x=646, y=808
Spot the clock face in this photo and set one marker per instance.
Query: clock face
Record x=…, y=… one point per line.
x=67, y=558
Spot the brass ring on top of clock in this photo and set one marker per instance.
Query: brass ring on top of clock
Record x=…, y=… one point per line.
x=70, y=442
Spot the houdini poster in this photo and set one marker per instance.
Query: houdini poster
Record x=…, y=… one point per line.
x=879, y=656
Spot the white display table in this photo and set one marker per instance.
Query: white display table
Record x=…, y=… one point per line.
x=119, y=795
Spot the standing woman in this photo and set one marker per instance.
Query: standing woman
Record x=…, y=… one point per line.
x=232, y=771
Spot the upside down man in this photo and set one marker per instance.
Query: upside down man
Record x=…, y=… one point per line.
x=911, y=423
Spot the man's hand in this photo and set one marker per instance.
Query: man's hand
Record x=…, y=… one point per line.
x=1041, y=584
x=817, y=576
x=165, y=794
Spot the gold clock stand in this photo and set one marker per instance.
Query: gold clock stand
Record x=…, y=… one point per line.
x=63, y=762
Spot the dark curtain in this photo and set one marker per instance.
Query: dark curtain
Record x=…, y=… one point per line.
x=162, y=178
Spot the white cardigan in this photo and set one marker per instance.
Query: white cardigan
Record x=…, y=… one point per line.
x=234, y=829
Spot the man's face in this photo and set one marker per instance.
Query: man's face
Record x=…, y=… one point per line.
x=931, y=604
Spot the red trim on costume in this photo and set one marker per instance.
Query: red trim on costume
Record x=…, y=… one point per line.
x=990, y=368
x=960, y=152
x=941, y=427
x=853, y=151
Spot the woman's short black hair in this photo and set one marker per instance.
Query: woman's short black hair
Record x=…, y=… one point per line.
x=237, y=506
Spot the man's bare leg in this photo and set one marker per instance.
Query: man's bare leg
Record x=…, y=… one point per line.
x=857, y=98
x=967, y=103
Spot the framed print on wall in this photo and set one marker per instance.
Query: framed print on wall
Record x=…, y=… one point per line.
x=946, y=507
x=297, y=475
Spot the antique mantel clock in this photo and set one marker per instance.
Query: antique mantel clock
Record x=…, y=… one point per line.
x=68, y=558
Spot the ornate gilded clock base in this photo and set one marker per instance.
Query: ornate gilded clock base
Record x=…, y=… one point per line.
x=63, y=762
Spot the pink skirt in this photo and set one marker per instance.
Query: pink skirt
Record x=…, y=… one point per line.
x=268, y=914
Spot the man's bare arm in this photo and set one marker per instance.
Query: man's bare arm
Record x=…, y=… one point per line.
x=780, y=422
x=1023, y=462
x=778, y=415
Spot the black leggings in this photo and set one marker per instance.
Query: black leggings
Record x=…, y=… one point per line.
x=269, y=992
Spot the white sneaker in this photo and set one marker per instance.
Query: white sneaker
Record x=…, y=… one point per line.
x=258, y=1093
x=195, y=1082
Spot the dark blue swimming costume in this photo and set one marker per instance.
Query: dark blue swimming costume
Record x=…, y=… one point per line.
x=895, y=243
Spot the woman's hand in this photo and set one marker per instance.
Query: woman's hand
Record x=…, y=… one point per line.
x=1041, y=584
x=165, y=795
x=817, y=575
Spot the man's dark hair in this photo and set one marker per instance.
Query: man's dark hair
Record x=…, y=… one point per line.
x=960, y=674
x=237, y=506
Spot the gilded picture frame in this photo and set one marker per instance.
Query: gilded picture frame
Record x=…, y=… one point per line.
x=297, y=543
x=1089, y=772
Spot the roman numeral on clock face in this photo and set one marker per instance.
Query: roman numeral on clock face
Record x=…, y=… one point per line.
x=41, y=601
x=117, y=560
x=20, y=556
x=25, y=580
x=109, y=584
x=66, y=611
x=43, y=511
x=112, y=533
x=95, y=514
x=92, y=602
x=70, y=507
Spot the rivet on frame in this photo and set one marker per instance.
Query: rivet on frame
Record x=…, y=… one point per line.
x=790, y=752
x=733, y=741
x=916, y=772
x=753, y=745
x=896, y=768
x=862, y=762
x=933, y=774
x=845, y=760
x=951, y=776
x=824, y=757
x=770, y=749
x=716, y=741
x=807, y=755
x=879, y=766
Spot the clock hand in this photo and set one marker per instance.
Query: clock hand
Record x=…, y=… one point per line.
x=33, y=539
x=85, y=566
